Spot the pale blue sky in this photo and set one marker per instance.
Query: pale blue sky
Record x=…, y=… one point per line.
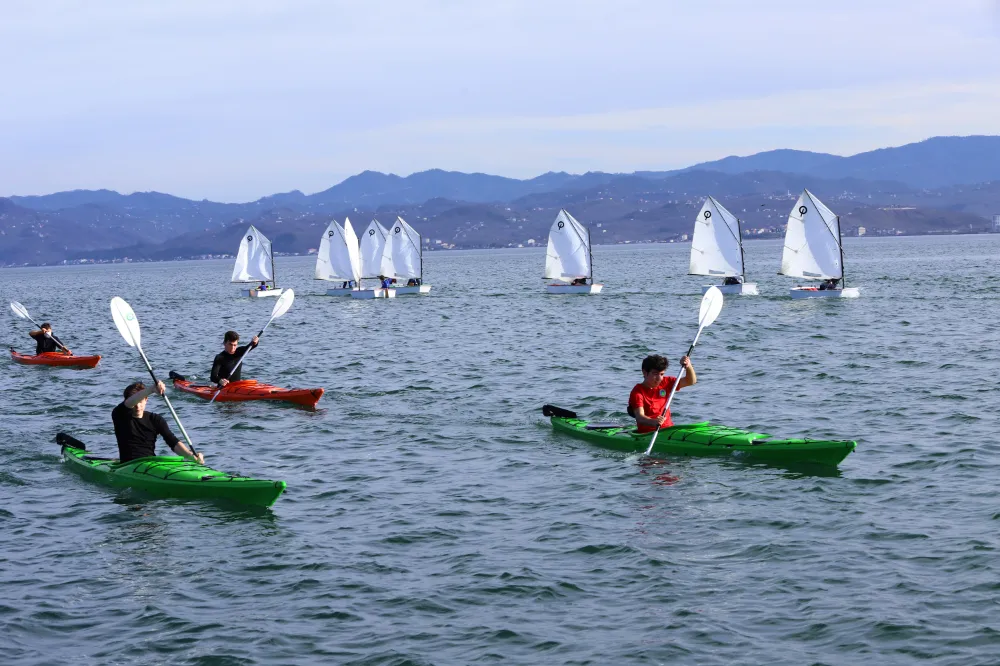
x=233, y=100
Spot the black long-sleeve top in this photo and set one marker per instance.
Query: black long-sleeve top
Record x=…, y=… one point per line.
x=222, y=366
x=45, y=343
x=137, y=437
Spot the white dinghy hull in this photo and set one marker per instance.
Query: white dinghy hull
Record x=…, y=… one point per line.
x=254, y=293
x=339, y=292
x=813, y=292
x=420, y=289
x=574, y=288
x=367, y=294
x=745, y=289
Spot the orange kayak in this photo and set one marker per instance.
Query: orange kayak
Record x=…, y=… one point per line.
x=251, y=389
x=55, y=358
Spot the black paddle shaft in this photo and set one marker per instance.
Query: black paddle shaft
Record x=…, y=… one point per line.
x=249, y=347
x=167, y=400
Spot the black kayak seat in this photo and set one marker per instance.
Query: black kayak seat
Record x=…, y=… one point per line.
x=62, y=439
x=552, y=410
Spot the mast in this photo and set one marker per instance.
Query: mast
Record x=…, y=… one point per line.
x=840, y=244
x=743, y=262
x=274, y=281
x=590, y=250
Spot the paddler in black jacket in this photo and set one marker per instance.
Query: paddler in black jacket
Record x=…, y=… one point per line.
x=45, y=341
x=136, y=429
x=226, y=360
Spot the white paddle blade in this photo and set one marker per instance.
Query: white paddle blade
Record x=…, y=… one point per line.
x=711, y=306
x=284, y=302
x=125, y=320
x=19, y=310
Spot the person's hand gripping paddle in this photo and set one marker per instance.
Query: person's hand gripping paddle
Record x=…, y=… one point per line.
x=128, y=326
x=22, y=312
x=711, y=306
x=280, y=308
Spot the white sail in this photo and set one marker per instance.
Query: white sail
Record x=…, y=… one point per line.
x=716, y=246
x=254, y=262
x=812, y=241
x=401, y=258
x=568, y=254
x=372, y=250
x=339, y=256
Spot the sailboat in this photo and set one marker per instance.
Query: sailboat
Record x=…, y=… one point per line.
x=717, y=249
x=814, y=251
x=372, y=250
x=569, y=259
x=403, y=259
x=255, y=264
x=339, y=258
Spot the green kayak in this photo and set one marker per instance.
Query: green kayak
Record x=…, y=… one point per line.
x=704, y=439
x=169, y=476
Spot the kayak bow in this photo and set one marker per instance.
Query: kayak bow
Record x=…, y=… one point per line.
x=169, y=476
x=704, y=439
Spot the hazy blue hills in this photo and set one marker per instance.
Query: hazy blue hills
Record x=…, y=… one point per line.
x=934, y=163
x=941, y=185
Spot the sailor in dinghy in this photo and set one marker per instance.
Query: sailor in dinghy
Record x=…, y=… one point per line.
x=372, y=250
x=568, y=258
x=255, y=263
x=339, y=258
x=717, y=249
x=814, y=250
x=403, y=259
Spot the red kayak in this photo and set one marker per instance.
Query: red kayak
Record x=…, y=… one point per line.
x=60, y=359
x=250, y=389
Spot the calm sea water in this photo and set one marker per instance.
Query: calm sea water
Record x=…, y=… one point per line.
x=433, y=517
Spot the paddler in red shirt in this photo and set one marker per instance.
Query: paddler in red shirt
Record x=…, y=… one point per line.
x=647, y=400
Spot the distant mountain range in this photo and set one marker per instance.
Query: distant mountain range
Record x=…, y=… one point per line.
x=941, y=185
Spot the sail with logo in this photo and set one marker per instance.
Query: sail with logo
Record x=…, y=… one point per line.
x=717, y=249
x=372, y=249
x=255, y=264
x=814, y=250
x=568, y=258
x=339, y=258
x=403, y=260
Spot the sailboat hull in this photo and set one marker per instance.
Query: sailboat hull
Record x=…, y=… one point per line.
x=420, y=289
x=339, y=292
x=253, y=293
x=574, y=288
x=813, y=292
x=368, y=294
x=745, y=289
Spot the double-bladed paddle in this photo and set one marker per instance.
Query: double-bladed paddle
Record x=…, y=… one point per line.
x=128, y=326
x=711, y=306
x=22, y=312
x=280, y=308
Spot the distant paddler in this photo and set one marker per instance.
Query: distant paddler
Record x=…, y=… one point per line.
x=647, y=403
x=136, y=429
x=46, y=342
x=227, y=367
